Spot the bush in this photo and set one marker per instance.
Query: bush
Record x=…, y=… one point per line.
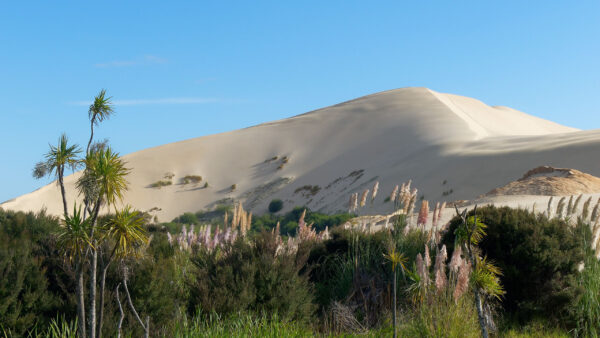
x=538, y=258
x=275, y=206
x=34, y=286
x=289, y=221
x=249, y=277
x=159, y=184
x=195, y=179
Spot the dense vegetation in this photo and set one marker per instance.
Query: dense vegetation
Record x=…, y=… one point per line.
x=338, y=285
x=226, y=272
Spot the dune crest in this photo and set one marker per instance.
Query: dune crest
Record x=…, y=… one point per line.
x=452, y=147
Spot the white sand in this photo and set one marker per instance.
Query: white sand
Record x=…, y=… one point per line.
x=393, y=136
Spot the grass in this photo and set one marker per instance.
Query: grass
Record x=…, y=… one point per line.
x=194, y=179
x=309, y=190
x=160, y=184
x=240, y=325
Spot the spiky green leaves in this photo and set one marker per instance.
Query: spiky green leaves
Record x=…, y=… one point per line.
x=104, y=178
x=396, y=258
x=58, y=158
x=125, y=229
x=470, y=231
x=101, y=108
x=73, y=237
x=486, y=276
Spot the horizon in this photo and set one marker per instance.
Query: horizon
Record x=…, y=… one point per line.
x=264, y=63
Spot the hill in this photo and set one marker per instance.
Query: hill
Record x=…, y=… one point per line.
x=452, y=147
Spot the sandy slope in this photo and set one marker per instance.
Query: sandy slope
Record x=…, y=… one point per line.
x=393, y=136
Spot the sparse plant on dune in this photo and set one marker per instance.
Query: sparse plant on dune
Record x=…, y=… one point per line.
x=194, y=179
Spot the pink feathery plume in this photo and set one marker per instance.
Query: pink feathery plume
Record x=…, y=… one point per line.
x=375, y=189
x=423, y=213
x=462, y=282
x=456, y=260
x=440, y=269
x=394, y=193
x=422, y=269
x=363, y=197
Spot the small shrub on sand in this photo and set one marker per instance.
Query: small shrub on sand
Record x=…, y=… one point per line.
x=159, y=184
x=194, y=179
x=233, y=187
x=275, y=206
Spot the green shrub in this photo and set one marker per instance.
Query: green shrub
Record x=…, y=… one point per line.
x=34, y=286
x=187, y=218
x=538, y=258
x=194, y=179
x=249, y=277
x=159, y=184
x=587, y=310
x=289, y=221
x=275, y=206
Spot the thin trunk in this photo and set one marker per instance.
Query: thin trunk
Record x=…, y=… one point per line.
x=147, y=326
x=479, y=305
x=92, y=306
x=62, y=189
x=93, y=275
x=395, y=334
x=101, y=310
x=121, y=311
x=478, y=300
x=102, y=285
x=87, y=151
x=80, y=300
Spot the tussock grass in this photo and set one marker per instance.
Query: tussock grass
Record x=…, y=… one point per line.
x=160, y=184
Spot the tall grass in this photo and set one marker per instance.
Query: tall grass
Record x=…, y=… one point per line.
x=587, y=310
x=239, y=325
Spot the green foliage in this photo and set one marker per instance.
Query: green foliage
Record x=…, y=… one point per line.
x=538, y=258
x=194, y=179
x=187, y=218
x=307, y=190
x=442, y=317
x=251, y=277
x=32, y=282
x=587, y=309
x=159, y=184
x=275, y=206
x=289, y=221
x=240, y=325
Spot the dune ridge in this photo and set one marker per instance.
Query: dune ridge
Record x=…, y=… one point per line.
x=452, y=147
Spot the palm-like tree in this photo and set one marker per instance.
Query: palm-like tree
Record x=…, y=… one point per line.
x=74, y=240
x=485, y=274
x=103, y=182
x=397, y=259
x=100, y=110
x=56, y=160
x=125, y=230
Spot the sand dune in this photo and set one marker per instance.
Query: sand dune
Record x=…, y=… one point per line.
x=452, y=147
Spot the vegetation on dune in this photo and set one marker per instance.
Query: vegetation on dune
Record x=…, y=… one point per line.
x=161, y=183
x=227, y=272
x=275, y=206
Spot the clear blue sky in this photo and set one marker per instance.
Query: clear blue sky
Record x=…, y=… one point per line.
x=181, y=70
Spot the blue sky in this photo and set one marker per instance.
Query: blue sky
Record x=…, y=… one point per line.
x=179, y=70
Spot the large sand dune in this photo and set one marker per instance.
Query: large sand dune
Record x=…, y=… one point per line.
x=452, y=147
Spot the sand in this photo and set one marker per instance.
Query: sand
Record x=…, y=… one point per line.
x=452, y=147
